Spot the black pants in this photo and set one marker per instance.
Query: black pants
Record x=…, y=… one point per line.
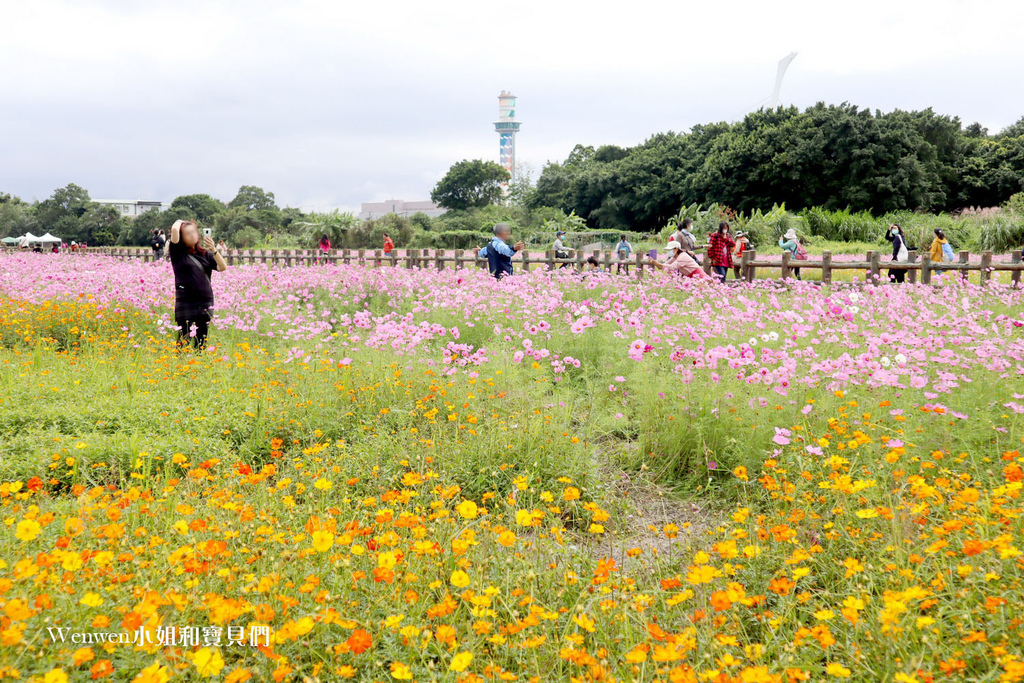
x=897, y=275
x=202, y=323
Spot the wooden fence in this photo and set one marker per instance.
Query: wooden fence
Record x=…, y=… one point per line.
x=872, y=265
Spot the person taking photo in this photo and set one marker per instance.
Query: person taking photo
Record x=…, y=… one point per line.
x=193, y=260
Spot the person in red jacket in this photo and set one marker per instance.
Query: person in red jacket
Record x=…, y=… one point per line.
x=720, y=245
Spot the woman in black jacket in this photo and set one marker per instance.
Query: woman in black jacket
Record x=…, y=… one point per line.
x=899, y=251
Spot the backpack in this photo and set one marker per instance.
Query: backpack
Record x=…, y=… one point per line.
x=947, y=252
x=801, y=252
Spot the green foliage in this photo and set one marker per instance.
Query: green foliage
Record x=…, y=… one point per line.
x=832, y=157
x=203, y=207
x=452, y=239
x=334, y=224
x=252, y=198
x=844, y=225
x=69, y=201
x=16, y=217
x=470, y=184
x=135, y=232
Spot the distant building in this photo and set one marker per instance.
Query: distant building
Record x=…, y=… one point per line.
x=372, y=210
x=131, y=208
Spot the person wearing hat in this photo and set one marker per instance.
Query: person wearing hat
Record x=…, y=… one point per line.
x=742, y=244
x=678, y=262
x=791, y=243
x=560, y=251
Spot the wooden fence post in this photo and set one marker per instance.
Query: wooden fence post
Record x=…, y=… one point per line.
x=986, y=263
x=876, y=275
x=926, y=269
x=964, y=274
x=410, y=258
x=786, y=255
x=273, y=256
x=439, y=259
x=526, y=260
x=912, y=274
x=1015, y=275
x=639, y=264
x=607, y=260
x=826, y=267
x=549, y=256
x=751, y=271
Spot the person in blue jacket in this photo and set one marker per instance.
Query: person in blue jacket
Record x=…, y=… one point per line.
x=498, y=253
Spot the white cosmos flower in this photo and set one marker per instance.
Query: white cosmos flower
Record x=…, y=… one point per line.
x=773, y=336
x=764, y=337
x=752, y=341
x=854, y=297
x=854, y=309
x=900, y=359
x=884, y=360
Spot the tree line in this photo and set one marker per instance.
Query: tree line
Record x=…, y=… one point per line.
x=829, y=156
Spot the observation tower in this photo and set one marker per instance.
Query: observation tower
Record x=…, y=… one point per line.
x=506, y=127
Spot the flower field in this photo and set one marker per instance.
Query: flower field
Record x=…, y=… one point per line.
x=389, y=475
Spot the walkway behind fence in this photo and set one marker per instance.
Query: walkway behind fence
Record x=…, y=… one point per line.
x=872, y=265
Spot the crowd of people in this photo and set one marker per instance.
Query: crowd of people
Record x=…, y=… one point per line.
x=723, y=253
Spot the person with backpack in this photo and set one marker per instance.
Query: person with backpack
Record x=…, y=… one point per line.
x=623, y=249
x=795, y=246
x=498, y=253
x=936, y=249
x=156, y=243
x=900, y=254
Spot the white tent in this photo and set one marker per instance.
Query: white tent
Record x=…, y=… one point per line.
x=27, y=239
x=49, y=239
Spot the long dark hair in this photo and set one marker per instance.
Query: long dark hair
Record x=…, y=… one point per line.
x=941, y=235
x=724, y=225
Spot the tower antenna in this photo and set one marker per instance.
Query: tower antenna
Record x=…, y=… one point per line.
x=783, y=65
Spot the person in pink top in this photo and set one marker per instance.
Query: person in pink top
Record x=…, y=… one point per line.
x=679, y=262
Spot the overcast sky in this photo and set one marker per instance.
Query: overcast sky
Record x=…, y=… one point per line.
x=330, y=104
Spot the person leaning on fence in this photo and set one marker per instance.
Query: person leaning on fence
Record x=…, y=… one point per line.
x=791, y=243
x=720, y=244
x=498, y=253
x=623, y=249
x=193, y=263
x=389, y=246
x=678, y=262
x=894, y=234
x=325, y=246
x=560, y=251
x=686, y=238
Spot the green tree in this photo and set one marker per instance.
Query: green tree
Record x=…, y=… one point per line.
x=202, y=207
x=69, y=201
x=16, y=216
x=99, y=226
x=470, y=184
x=136, y=231
x=252, y=198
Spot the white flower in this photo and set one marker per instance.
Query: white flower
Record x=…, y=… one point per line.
x=752, y=341
x=764, y=337
x=583, y=310
x=854, y=309
x=773, y=336
x=884, y=360
x=854, y=297
x=900, y=359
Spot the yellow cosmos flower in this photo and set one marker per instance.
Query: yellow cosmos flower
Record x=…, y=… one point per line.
x=461, y=661
x=27, y=530
x=467, y=509
x=208, y=662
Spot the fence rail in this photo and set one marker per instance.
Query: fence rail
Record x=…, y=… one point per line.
x=872, y=265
